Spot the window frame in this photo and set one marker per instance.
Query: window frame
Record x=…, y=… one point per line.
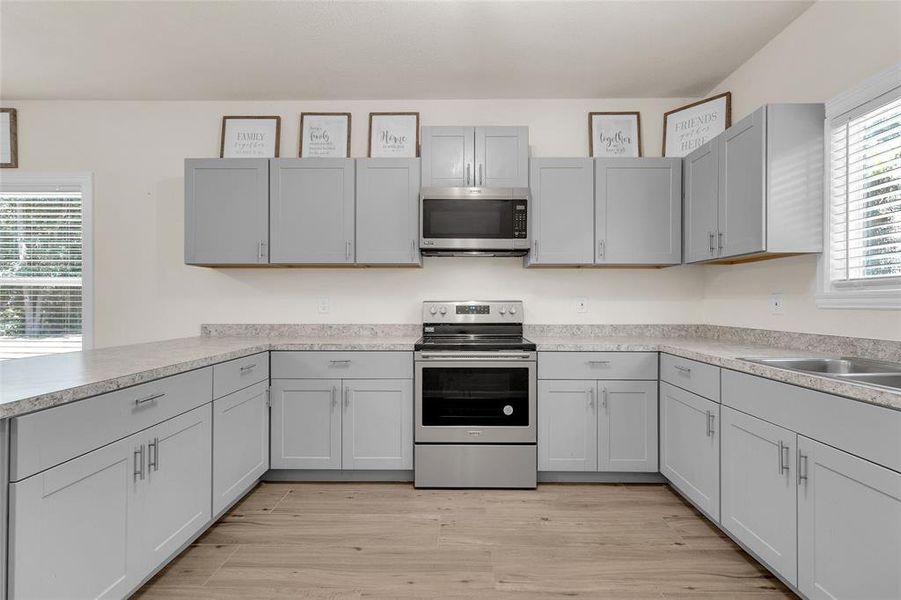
x=40, y=182
x=879, y=293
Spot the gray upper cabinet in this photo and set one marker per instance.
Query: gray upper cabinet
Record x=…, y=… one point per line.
x=475, y=156
x=561, y=216
x=502, y=157
x=701, y=170
x=767, y=173
x=226, y=211
x=448, y=154
x=388, y=211
x=638, y=211
x=311, y=216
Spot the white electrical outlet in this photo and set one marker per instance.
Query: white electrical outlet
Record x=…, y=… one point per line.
x=582, y=305
x=777, y=304
x=323, y=305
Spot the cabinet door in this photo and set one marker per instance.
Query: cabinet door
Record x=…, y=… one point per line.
x=226, y=211
x=638, y=211
x=849, y=526
x=240, y=443
x=562, y=211
x=448, y=156
x=690, y=447
x=701, y=170
x=742, y=178
x=70, y=531
x=502, y=157
x=759, y=491
x=174, y=501
x=627, y=426
x=567, y=425
x=312, y=210
x=378, y=424
x=388, y=211
x=305, y=424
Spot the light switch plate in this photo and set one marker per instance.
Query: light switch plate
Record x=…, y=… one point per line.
x=581, y=305
x=323, y=305
x=777, y=303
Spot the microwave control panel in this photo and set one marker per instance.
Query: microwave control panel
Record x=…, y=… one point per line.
x=520, y=221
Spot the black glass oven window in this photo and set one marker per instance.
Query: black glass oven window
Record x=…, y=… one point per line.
x=468, y=219
x=475, y=397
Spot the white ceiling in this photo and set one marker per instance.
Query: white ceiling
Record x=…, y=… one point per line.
x=270, y=50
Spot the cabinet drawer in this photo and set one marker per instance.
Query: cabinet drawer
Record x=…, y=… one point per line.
x=597, y=365
x=44, y=439
x=696, y=377
x=240, y=373
x=342, y=365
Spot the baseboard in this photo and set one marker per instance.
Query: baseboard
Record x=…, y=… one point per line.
x=590, y=477
x=331, y=476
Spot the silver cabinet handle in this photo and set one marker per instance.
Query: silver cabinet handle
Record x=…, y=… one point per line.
x=683, y=370
x=590, y=398
x=247, y=368
x=260, y=251
x=598, y=362
x=334, y=397
x=150, y=398
x=467, y=173
x=721, y=239
x=712, y=418
x=345, y=361
x=709, y=430
x=711, y=241
x=412, y=250
x=802, y=473
x=153, y=458
x=601, y=248
x=783, y=458
x=346, y=398
x=139, y=463
x=535, y=250
x=347, y=247
x=481, y=176
x=604, y=399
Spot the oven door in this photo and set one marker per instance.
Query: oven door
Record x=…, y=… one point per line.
x=473, y=223
x=486, y=400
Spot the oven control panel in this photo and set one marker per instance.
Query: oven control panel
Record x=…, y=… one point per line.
x=473, y=311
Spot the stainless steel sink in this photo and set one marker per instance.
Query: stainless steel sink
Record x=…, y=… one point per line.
x=854, y=370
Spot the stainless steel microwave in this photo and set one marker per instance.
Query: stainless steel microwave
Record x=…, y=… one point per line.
x=472, y=221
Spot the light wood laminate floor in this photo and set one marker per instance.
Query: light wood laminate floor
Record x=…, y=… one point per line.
x=341, y=541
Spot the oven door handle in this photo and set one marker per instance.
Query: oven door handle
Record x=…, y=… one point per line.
x=471, y=357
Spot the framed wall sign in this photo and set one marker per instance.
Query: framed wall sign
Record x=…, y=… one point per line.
x=9, y=141
x=690, y=126
x=614, y=134
x=250, y=137
x=394, y=134
x=325, y=135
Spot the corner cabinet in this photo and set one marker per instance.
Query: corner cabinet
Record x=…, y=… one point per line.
x=756, y=190
x=638, y=211
x=387, y=211
x=226, y=211
x=311, y=214
x=475, y=156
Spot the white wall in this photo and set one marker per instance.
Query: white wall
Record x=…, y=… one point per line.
x=831, y=47
x=145, y=292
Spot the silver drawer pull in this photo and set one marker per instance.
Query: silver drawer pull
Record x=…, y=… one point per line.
x=247, y=368
x=683, y=370
x=598, y=362
x=340, y=362
x=150, y=398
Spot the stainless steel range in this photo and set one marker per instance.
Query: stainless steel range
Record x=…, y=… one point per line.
x=475, y=397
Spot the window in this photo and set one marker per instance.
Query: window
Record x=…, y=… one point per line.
x=861, y=267
x=44, y=265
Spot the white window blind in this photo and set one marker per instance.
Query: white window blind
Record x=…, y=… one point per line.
x=41, y=267
x=865, y=174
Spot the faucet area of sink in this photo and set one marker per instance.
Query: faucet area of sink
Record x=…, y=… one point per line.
x=853, y=370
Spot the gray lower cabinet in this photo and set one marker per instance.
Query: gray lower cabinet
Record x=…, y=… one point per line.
x=97, y=525
x=306, y=424
x=561, y=215
x=849, y=525
x=311, y=211
x=597, y=426
x=690, y=446
x=638, y=211
x=226, y=211
x=758, y=487
x=387, y=211
x=240, y=443
x=348, y=424
x=475, y=156
x=756, y=190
